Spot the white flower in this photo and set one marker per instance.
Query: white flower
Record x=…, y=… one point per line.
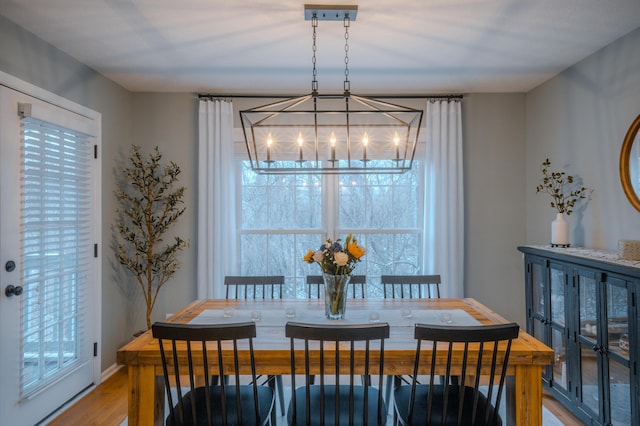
x=341, y=258
x=318, y=256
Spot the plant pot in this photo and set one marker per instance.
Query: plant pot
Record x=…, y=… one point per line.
x=560, y=231
x=335, y=295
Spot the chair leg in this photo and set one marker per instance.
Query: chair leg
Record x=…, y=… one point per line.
x=272, y=384
x=280, y=391
x=392, y=382
x=387, y=390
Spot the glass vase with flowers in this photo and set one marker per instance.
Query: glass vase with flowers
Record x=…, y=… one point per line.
x=337, y=262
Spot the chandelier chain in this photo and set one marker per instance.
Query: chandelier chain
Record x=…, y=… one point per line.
x=347, y=84
x=314, y=82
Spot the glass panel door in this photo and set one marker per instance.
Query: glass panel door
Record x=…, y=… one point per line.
x=618, y=377
x=557, y=338
x=588, y=342
x=50, y=227
x=558, y=291
x=537, y=288
x=619, y=393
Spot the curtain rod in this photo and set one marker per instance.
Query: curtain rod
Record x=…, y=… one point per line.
x=218, y=96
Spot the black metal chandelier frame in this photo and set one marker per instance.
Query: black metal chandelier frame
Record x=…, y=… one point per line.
x=331, y=134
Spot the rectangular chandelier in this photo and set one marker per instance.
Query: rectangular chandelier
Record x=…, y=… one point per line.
x=331, y=134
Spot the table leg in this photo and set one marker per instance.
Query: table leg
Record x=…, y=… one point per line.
x=524, y=396
x=144, y=406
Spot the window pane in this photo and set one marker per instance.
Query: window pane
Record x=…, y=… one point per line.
x=285, y=216
x=379, y=201
x=308, y=206
x=56, y=238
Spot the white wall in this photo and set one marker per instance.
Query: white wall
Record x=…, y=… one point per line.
x=578, y=120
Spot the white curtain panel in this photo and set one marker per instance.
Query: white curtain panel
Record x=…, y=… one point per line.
x=444, y=200
x=216, y=201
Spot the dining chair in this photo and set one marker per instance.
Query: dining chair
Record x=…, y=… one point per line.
x=257, y=287
x=477, y=357
x=408, y=287
x=254, y=287
x=207, y=403
x=411, y=286
x=358, y=284
x=330, y=353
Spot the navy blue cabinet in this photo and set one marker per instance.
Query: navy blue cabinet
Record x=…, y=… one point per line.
x=583, y=304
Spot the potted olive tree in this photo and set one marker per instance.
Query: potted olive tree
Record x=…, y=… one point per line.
x=149, y=204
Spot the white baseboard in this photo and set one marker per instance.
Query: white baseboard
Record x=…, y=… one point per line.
x=110, y=371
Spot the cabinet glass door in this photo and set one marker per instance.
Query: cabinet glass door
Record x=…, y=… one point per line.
x=557, y=339
x=617, y=368
x=590, y=395
x=537, y=314
x=558, y=291
x=538, y=270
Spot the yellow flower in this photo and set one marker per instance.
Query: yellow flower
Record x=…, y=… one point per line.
x=309, y=256
x=355, y=250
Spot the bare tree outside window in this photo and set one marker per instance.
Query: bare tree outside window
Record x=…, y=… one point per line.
x=282, y=216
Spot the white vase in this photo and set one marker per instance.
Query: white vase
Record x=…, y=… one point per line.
x=560, y=231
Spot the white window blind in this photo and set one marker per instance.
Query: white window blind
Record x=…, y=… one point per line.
x=57, y=251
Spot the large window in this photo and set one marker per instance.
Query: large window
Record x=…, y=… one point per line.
x=283, y=216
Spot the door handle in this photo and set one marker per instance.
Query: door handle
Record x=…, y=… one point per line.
x=12, y=290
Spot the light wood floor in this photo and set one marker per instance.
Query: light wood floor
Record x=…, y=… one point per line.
x=106, y=405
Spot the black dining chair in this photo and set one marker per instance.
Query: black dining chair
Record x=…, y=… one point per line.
x=254, y=287
x=198, y=403
x=469, y=390
x=331, y=354
x=358, y=284
x=411, y=286
x=257, y=287
x=408, y=287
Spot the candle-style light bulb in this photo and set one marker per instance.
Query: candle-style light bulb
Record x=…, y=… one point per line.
x=365, y=142
x=332, y=142
x=269, y=143
x=300, y=142
x=396, y=142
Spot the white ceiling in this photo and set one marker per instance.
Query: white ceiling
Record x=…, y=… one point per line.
x=264, y=47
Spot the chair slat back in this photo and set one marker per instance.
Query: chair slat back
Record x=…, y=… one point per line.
x=411, y=286
x=315, y=286
x=469, y=390
x=315, y=283
x=318, y=352
x=254, y=287
x=202, y=364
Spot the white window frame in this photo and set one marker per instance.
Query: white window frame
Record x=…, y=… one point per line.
x=330, y=227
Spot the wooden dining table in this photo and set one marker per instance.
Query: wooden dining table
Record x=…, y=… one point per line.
x=272, y=349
